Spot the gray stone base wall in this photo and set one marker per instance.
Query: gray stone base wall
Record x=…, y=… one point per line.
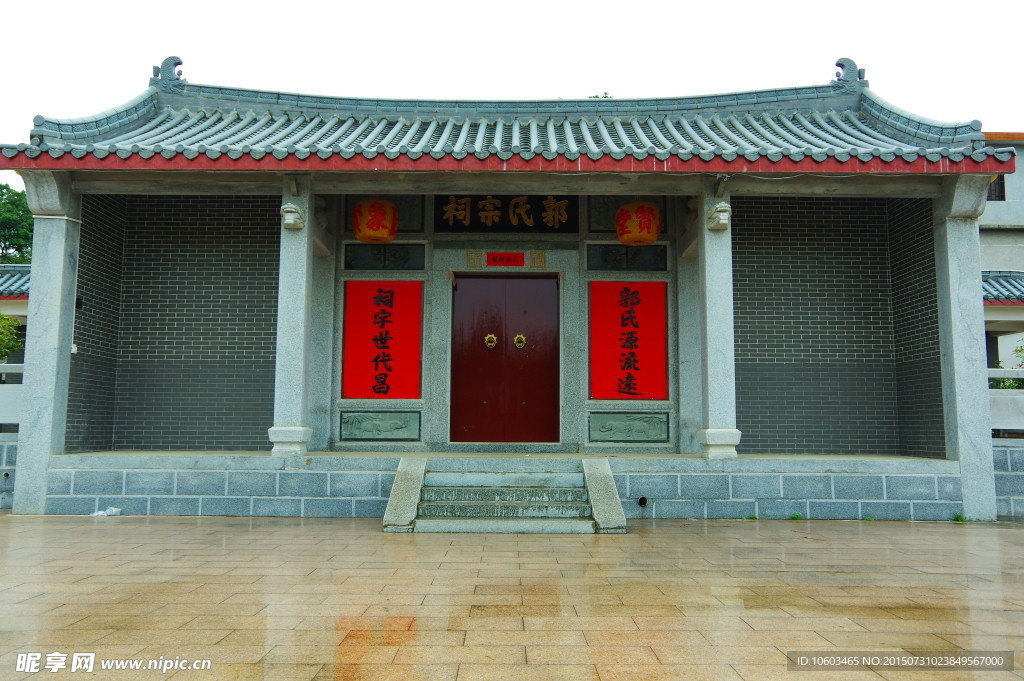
x=849, y=489
x=1009, y=467
x=8, y=458
x=882, y=488
x=308, y=487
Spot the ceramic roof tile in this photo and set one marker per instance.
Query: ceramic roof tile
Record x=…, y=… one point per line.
x=845, y=120
x=14, y=280
x=1004, y=287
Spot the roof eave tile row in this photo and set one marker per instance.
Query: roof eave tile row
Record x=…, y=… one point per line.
x=14, y=280
x=1003, y=287
x=818, y=135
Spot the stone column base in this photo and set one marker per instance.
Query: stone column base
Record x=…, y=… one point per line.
x=289, y=440
x=718, y=443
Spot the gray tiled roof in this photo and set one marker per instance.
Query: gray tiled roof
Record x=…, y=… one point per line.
x=14, y=280
x=843, y=119
x=1003, y=286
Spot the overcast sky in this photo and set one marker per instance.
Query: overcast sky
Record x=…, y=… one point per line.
x=938, y=59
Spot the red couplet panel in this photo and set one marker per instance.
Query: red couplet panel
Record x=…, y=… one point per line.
x=382, y=350
x=628, y=340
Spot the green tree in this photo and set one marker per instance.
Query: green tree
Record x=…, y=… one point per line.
x=1010, y=383
x=9, y=341
x=15, y=227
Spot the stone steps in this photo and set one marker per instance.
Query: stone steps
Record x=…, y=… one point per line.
x=504, y=495
x=504, y=509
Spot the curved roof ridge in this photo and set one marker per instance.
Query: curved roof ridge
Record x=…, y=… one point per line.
x=89, y=126
x=901, y=121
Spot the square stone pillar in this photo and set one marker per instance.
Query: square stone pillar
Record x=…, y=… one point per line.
x=718, y=435
x=962, y=340
x=51, y=318
x=291, y=431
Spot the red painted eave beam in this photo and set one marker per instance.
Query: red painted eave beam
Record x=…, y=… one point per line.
x=1004, y=302
x=584, y=164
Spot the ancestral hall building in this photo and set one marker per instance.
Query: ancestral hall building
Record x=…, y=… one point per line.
x=209, y=335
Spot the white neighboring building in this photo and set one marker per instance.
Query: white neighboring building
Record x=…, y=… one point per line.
x=1002, y=257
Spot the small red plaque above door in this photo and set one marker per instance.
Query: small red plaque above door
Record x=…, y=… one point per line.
x=506, y=259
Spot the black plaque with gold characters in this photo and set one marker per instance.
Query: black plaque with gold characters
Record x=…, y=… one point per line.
x=507, y=214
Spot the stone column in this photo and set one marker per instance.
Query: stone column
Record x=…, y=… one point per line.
x=962, y=340
x=691, y=348
x=291, y=431
x=718, y=435
x=51, y=319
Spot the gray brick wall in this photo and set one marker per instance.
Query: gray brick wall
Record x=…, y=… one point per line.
x=814, y=332
x=916, y=328
x=1009, y=471
x=198, y=323
x=177, y=327
x=836, y=327
x=92, y=387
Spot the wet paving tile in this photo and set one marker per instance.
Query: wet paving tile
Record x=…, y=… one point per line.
x=316, y=599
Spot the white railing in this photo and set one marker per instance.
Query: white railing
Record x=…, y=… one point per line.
x=11, y=395
x=1007, y=405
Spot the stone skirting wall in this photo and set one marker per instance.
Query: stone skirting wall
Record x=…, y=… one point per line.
x=882, y=489
x=315, y=487
x=349, y=486
x=8, y=458
x=1009, y=467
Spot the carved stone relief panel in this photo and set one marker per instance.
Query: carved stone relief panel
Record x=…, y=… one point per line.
x=628, y=427
x=381, y=425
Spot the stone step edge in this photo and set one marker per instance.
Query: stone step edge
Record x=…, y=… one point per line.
x=505, y=525
x=498, y=491
x=494, y=504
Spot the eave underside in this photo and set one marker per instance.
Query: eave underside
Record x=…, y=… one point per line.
x=559, y=164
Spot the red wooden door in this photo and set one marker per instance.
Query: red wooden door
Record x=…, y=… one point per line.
x=505, y=393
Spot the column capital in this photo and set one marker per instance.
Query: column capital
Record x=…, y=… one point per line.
x=963, y=198
x=50, y=194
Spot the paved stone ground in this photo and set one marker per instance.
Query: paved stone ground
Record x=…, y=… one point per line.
x=294, y=599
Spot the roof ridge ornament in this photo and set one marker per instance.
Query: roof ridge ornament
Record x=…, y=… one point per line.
x=851, y=79
x=166, y=79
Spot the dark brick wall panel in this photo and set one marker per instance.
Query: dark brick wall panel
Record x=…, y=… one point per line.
x=198, y=323
x=91, y=392
x=916, y=328
x=815, y=350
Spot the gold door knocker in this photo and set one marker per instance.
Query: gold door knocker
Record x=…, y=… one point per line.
x=520, y=341
x=490, y=340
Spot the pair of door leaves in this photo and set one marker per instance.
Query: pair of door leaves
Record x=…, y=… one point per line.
x=490, y=340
